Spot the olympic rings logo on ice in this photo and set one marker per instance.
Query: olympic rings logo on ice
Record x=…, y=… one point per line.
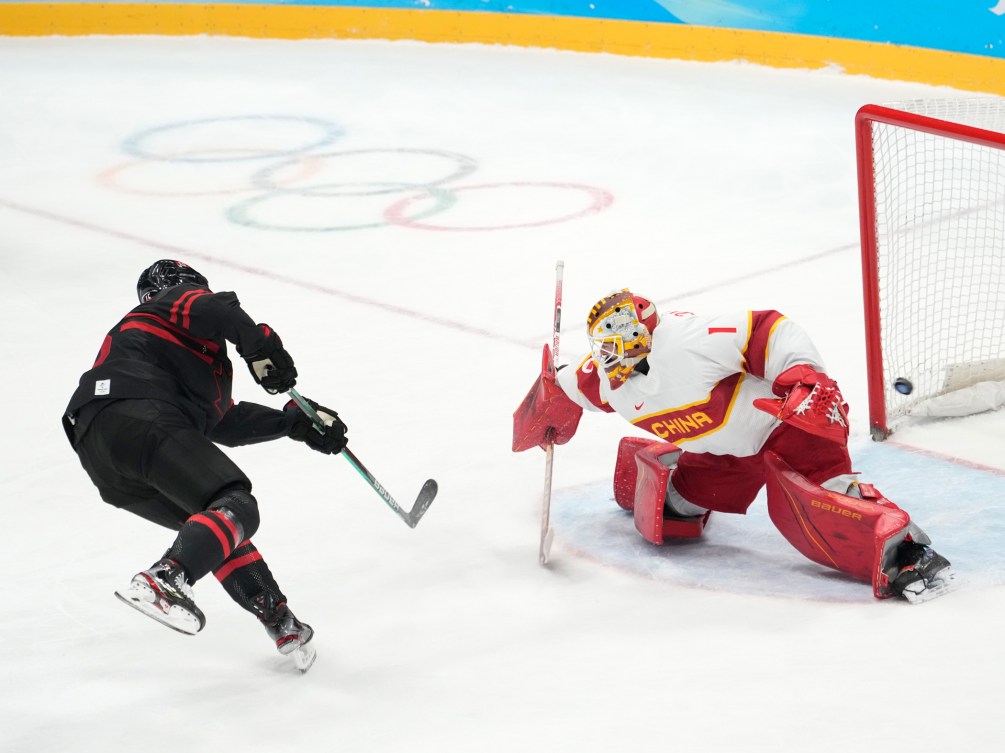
x=286, y=176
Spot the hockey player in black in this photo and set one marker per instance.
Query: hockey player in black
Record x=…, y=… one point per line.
x=145, y=423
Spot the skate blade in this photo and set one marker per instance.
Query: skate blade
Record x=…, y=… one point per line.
x=943, y=583
x=175, y=618
x=303, y=657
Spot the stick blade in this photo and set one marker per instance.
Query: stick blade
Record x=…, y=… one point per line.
x=426, y=496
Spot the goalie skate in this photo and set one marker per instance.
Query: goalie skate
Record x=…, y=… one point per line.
x=303, y=657
x=163, y=594
x=927, y=577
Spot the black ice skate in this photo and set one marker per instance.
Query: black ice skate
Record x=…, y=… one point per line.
x=290, y=634
x=924, y=574
x=163, y=593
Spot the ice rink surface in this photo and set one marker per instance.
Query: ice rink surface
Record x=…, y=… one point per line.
x=395, y=211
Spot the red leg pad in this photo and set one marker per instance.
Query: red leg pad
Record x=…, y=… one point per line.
x=841, y=532
x=626, y=472
x=654, y=463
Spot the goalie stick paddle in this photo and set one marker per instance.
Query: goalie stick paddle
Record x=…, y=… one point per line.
x=426, y=494
x=547, y=533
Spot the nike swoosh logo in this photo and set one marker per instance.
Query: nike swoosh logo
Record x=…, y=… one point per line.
x=639, y=406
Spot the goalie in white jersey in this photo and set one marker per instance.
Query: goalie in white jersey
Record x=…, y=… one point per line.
x=735, y=401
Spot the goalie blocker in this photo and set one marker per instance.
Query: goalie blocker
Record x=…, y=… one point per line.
x=546, y=415
x=858, y=537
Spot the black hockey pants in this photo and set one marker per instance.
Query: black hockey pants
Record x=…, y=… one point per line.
x=146, y=457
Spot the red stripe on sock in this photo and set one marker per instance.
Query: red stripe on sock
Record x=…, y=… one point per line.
x=225, y=519
x=229, y=567
x=212, y=523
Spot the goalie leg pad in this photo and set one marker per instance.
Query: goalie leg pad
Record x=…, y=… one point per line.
x=626, y=470
x=848, y=534
x=655, y=462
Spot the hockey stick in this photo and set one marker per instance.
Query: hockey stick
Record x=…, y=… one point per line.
x=426, y=493
x=547, y=533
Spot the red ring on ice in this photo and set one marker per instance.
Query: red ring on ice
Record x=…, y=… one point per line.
x=599, y=201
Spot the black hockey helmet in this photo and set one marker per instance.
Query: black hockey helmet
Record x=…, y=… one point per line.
x=165, y=274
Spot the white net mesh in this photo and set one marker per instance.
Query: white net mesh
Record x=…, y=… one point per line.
x=940, y=233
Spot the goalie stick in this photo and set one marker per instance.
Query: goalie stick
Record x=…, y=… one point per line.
x=547, y=533
x=426, y=493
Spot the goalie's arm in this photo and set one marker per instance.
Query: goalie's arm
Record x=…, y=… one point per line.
x=776, y=343
x=582, y=386
x=808, y=398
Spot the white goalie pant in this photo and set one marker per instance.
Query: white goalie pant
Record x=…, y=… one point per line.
x=679, y=505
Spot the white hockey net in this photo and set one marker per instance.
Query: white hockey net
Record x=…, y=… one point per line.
x=936, y=252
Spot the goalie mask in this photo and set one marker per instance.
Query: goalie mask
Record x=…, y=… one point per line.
x=165, y=274
x=620, y=327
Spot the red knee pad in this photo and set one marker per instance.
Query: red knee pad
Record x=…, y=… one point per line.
x=641, y=476
x=844, y=533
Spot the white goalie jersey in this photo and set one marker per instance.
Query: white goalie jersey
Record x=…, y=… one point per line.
x=704, y=372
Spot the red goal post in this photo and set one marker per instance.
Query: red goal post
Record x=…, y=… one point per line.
x=931, y=179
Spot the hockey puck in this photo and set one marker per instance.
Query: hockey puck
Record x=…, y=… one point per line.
x=903, y=386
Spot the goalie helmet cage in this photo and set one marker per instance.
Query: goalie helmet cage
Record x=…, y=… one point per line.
x=932, y=213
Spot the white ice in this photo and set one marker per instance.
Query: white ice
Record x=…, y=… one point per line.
x=715, y=186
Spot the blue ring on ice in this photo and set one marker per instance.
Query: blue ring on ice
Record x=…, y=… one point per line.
x=135, y=145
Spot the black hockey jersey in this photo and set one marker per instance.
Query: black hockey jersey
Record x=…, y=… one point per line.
x=174, y=348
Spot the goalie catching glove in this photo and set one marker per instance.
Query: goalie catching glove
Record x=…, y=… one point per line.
x=547, y=414
x=809, y=400
x=303, y=428
x=271, y=366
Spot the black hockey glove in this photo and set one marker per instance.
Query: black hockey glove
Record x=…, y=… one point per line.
x=303, y=430
x=272, y=367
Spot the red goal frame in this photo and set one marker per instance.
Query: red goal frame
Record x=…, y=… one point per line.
x=864, y=120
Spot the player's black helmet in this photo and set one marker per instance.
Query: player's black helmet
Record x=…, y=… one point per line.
x=165, y=274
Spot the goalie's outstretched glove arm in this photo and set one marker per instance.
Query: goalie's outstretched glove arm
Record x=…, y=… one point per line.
x=809, y=400
x=302, y=428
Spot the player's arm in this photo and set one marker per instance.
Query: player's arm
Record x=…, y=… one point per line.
x=250, y=423
x=776, y=344
x=760, y=343
x=268, y=361
x=582, y=386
